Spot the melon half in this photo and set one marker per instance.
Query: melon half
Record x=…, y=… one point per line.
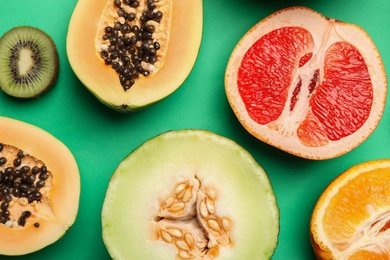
x=190, y=194
x=310, y=85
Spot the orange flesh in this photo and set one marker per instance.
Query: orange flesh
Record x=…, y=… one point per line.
x=339, y=105
x=352, y=217
x=355, y=203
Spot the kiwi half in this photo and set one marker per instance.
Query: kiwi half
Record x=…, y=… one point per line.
x=28, y=62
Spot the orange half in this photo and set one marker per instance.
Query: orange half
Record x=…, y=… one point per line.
x=351, y=219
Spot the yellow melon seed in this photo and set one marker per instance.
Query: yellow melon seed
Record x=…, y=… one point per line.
x=166, y=236
x=182, y=245
x=180, y=188
x=184, y=255
x=168, y=202
x=175, y=232
x=225, y=224
x=189, y=240
x=203, y=209
x=210, y=206
x=211, y=193
x=213, y=224
x=177, y=206
x=187, y=194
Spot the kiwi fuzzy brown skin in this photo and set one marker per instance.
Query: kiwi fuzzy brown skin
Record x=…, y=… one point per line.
x=20, y=33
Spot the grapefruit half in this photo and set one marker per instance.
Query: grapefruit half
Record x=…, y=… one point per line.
x=310, y=85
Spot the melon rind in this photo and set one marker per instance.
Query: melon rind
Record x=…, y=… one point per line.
x=148, y=174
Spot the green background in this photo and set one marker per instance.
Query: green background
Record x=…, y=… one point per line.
x=100, y=138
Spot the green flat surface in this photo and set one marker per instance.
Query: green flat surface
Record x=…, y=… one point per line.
x=100, y=138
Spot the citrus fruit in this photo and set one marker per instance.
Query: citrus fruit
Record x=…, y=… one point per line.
x=351, y=219
x=307, y=84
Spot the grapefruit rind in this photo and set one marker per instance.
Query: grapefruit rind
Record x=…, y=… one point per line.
x=328, y=246
x=325, y=31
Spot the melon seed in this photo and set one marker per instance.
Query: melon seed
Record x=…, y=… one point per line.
x=175, y=232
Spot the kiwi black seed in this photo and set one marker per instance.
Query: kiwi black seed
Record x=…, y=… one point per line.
x=28, y=62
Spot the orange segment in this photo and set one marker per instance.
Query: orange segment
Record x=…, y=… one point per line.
x=351, y=219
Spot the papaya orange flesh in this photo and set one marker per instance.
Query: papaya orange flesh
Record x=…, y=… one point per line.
x=180, y=41
x=40, y=188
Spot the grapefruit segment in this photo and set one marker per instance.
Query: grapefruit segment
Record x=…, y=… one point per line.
x=307, y=84
x=351, y=219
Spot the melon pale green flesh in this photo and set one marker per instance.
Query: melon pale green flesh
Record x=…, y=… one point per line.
x=148, y=175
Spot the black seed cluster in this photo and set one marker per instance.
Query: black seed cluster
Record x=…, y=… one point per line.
x=125, y=54
x=20, y=182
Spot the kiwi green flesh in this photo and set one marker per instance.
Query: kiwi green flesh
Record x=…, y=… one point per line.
x=142, y=179
x=29, y=62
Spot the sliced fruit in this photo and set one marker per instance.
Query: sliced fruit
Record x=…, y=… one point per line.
x=351, y=219
x=39, y=188
x=131, y=54
x=29, y=62
x=190, y=194
x=307, y=84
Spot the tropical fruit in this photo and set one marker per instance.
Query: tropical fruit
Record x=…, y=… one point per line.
x=351, y=219
x=190, y=194
x=28, y=62
x=39, y=188
x=310, y=85
x=133, y=53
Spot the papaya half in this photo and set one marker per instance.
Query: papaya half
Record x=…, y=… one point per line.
x=132, y=53
x=39, y=188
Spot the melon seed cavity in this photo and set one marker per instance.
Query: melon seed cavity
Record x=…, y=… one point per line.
x=132, y=37
x=188, y=220
x=24, y=183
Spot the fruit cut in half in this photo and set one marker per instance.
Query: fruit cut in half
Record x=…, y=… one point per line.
x=131, y=54
x=28, y=63
x=190, y=194
x=39, y=188
x=351, y=219
x=312, y=86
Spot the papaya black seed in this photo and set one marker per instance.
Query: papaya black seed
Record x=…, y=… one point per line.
x=24, y=187
x=131, y=17
x=3, y=161
x=36, y=224
x=134, y=4
x=121, y=12
x=35, y=170
x=20, y=154
x=5, y=213
x=17, y=162
x=30, y=179
x=16, y=192
x=1, y=147
x=43, y=176
x=4, y=205
x=7, y=198
x=9, y=170
x=22, y=221
x=40, y=184
x=25, y=169
x=117, y=3
x=17, y=173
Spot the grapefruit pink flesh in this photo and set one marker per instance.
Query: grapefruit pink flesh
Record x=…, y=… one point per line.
x=339, y=105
